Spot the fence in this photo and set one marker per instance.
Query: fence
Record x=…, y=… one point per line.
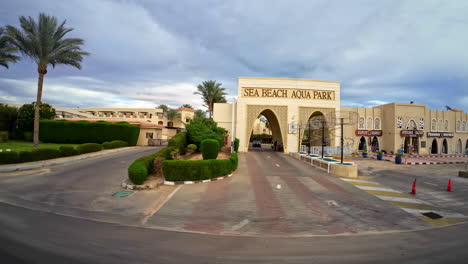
x=331, y=151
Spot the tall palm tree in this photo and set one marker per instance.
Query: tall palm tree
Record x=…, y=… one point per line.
x=7, y=50
x=44, y=42
x=163, y=107
x=172, y=114
x=187, y=106
x=199, y=114
x=211, y=93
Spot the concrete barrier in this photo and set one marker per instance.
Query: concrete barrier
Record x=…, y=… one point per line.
x=349, y=171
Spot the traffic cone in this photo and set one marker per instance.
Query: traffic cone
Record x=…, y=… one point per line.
x=413, y=188
x=449, y=185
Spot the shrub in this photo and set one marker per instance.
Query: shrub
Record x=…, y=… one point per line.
x=193, y=170
x=236, y=144
x=138, y=175
x=79, y=132
x=204, y=128
x=68, y=151
x=192, y=147
x=28, y=136
x=3, y=136
x=9, y=157
x=234, y=160
x=26, y=156
x=179, y=141
x=39, y=154
x=114, y=144
x=89, y=147
x=209, y=149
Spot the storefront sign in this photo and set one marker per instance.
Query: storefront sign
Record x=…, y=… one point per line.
x=411, y=133
x=289, y=93
x=440, y=134
x=369, y=133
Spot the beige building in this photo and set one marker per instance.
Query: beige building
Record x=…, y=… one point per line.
x=289, y=103
x=154, y=125
x=260, y=127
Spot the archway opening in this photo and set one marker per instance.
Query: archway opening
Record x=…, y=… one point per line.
x=315, y=133
x=444, y=146
x=459, y=147
x=266, y=133
x=375, y=144
x=434, y=147
x=411, y=145
x=466, y=147
x=362, y=144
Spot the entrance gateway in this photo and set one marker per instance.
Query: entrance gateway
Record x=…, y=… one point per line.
x=286, y=103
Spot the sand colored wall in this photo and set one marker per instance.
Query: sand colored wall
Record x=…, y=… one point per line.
x=143, y=140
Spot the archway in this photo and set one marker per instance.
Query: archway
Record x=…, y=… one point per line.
x=434, y=147
x=411, y=145
x=260, y=141
x=459, y=147
x=444, y=147
x=315, y=131
x=375, y=144
x=362, y=144
x=466, y=147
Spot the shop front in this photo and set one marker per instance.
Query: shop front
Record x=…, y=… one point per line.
x=439, y=139
x=411, y=140
x=369, y=138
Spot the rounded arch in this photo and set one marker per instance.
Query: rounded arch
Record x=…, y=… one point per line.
x=444, y=147
x=375, y=144
x=377, y=124
x=434, y=147
x=433, y=125
x=362, y=144
x=466, y=147
x=459, y=146
x=274, y=123
x=411, y=124
x=316, y=131
x=370, y=123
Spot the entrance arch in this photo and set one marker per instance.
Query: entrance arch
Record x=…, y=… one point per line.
x=434, y=147
x=362, y=144
x=274, y=125
x=444, y=146
x=317, y=120
x=459, y=147
x=375, y=144
x=466, y=147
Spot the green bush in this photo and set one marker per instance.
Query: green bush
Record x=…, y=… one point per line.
x=194, y=170
x=114, y=144
x=234, y=160
x=39, y=154
x=3, y=136
x=209, y=149
x=179, y=141
x=204, y=128
x=78, y=132
x=9, y=157
x=89, y=147
x=28, y=136
x=192, y=147
x=236, y=144
x=68, y=151
x=138, y=175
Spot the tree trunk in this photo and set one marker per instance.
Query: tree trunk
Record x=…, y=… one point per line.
x=42, y=70
x=210, y=107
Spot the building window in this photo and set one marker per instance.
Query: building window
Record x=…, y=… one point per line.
x=399, y=122
x=187, y=120
x=369, y=123
x=439, y=127
x=160, y=123
x=361, y=123
x=411, y=125
x=149, y=134
x=464, y=126
x=433, y=125
x=264, y=130
x=377, y=124
x=458, y=128
x=170, y=124
x=421, y=124
x=446, y=125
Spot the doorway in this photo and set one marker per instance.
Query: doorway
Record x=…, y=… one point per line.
x=445, y=147
x=362, y=144
x=411, y=145
x=375, y=144
x=434, y=147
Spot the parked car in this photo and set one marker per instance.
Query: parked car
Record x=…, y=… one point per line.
x=256, y=144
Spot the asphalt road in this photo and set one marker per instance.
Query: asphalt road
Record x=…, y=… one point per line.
x=47, y=230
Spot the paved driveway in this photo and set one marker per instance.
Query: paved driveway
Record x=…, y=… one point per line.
x=273, y=194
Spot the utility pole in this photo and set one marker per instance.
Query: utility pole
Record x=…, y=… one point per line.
x=323, y=136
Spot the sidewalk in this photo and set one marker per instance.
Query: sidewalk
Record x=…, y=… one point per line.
x=60, y=161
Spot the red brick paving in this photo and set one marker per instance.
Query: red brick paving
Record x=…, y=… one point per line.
x=208, y=212
x=270, y=214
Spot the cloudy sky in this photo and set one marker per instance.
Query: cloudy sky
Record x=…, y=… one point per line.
x=149, y=52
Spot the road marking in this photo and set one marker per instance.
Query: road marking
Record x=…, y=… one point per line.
x=240, y=225
x=359, y=184
x=353, y=180
x=401, y=199
x=431, y=183
x=277, y=165
x=416, y=206
x=369, y=188
x=392, y=194
x=156, y=209
x=443, y=221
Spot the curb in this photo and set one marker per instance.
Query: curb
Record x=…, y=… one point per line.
x=53, y=163
x=427, y=162
x=140, y=187
x=194, y=182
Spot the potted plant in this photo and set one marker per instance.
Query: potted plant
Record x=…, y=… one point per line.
x=379, y=155
x=398, y=158
x=364, y=153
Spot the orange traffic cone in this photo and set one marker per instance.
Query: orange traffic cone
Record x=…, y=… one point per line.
x=413, y=188
x=449, y=185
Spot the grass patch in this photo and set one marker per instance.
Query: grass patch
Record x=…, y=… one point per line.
x=16, y=145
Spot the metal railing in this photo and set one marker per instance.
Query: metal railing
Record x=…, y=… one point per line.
x=332, y=151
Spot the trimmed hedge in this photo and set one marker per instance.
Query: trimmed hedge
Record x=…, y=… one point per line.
x=3, y=136
x=78, y=132
x=114, y=144
x=39, y=154
x=68, y=151
x=88, y=147
x=236, y=144
x=179, y=141
x=209, y=149
x=234, y=160
x=9, y=157
x=139, y=170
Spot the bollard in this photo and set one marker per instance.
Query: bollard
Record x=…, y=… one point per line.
x=413, y=188
x=449, y=185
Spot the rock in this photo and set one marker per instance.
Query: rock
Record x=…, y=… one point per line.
x=463, y=174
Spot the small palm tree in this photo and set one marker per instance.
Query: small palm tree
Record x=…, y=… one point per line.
x=44, y=42
x=172, y=115
x=187, y=106
x=211, y=93
x=7, y=50
x=163, y=107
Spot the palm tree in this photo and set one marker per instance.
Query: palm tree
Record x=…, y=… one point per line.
x=211, y=93
x=187, y=106
x=6, y=50
x=163, y=107
x=172, y=114
x=199, y=114
x=44, y=42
